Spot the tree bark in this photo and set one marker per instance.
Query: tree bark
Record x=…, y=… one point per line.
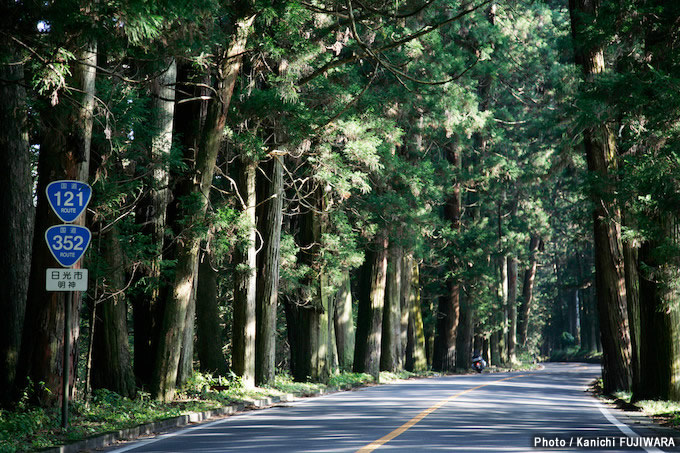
x=390, y=355
x=269, y=220
x=589, y=325
x=465, y=335
x=659, y=256
x=309, y=318
x=630, y=260
x=405, y=296
x=179, y=295
x=659, y=314
x=16, y=230
x=416, y=357
x=528, y=290
x=371, y=303
x=344, y=324
x=151, y=214
x=111, y=358
x=449, y=305
x=448, y=314
x=208, y=329
x=185, y=368
x=245, y=281
x=495, y=348
x=512, y=309
x=503, y=305
x=600, y=149
x=64, y=154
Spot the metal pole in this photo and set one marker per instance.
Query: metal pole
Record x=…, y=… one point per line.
x=67, y=361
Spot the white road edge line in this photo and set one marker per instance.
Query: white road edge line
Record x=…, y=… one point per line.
x=143, y=443
x=625, y=429
x=136, y=443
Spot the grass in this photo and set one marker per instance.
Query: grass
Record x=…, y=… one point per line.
x=30, y=428
x=664, y=412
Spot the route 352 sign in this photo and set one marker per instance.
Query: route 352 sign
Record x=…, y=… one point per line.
x=67, y=243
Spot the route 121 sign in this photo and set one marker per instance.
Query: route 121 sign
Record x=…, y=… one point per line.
x=67, y=243
x=68, y=199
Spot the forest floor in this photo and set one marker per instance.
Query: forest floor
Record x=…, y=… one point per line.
x=31, y=428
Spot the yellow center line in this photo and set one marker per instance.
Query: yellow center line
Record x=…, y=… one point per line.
x=409, y=424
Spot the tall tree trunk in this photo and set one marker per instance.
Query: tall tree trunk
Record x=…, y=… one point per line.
x=444, y=358
x=111, y=358
x=269, y=224
x=503, y=305
x=390, y=355
x=16, y=230
x=630, y=259
x=465, y=335
x=185, y=368
x=333, y=363
x=245, y=281
x=589, y=326
x=309, y=318
x=659, y=257
x=64, y=154
x=449, y=304
x=179, y=295
x=416, y=356
x=405, y=296
x=208, y=330
x=344, y=324
x=600, y=149
x=317, y=358
x=495, y=348
x=512, y=309
x=659, y=314
x=151, y=214
x=371, y=303
x=528, y=290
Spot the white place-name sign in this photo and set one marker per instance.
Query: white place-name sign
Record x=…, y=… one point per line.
x=66, y=279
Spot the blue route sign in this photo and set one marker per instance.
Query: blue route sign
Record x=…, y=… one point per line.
x=68, y=199
x=67, y=243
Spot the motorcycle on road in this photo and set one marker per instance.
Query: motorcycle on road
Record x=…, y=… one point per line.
x=478, y=363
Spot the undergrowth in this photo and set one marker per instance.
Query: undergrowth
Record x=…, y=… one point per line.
x=664, y=412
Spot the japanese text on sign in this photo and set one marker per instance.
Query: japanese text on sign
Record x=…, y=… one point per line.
x=66, y=279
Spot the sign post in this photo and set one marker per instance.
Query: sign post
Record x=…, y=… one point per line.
x=66, y=361
x=67, y=243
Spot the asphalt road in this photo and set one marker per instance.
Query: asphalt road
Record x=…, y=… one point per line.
x=546, y=410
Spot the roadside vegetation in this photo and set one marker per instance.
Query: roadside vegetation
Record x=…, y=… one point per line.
x=666, y=413
x=662, y=412
x=30, y=428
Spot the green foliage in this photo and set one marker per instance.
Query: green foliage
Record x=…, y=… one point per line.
x=25, y=429
x=567, y=340
x=575, y=354
x=668, y=411
x=284, y=382
x=350, y=380
x=230, y=228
